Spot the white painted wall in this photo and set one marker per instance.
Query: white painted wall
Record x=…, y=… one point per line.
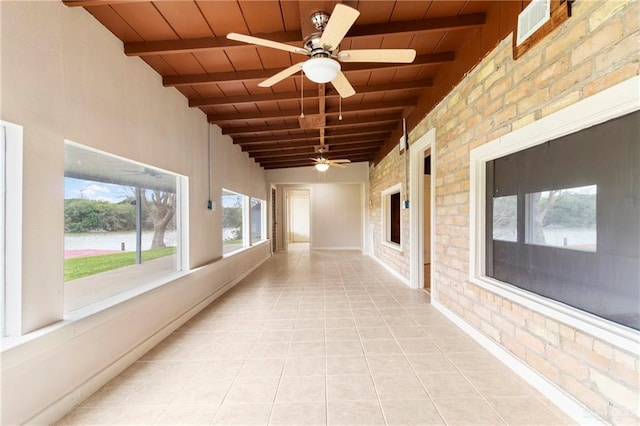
x=336, y=216
x=299, y=219
x=64, y=76
x=339, y=203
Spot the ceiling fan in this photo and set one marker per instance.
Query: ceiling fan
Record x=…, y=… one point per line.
x=322, y=48
x=322, y=163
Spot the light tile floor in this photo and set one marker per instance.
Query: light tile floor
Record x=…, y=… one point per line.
x=318, y=338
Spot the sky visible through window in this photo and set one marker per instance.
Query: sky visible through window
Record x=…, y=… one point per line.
x=91, y=190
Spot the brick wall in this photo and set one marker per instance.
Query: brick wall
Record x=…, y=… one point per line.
x=598, y=47
x=387, y=173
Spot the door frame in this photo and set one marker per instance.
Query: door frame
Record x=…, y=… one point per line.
x=416, y=209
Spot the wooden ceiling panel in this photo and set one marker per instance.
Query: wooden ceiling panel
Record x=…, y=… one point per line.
x=185, y=18
x=223, y=16
x=290, y=15
x=444, y=8
x=233, y=88
x=213, y=61
x=450, y=41
x=207, y=90
x=188, y=91
x=476, y=6
x=184, y=63
x=146, y=20
x=262, y=16
x=272, y=58
x=410, y=10
x=244, y=59
x=160, y=65
x=114, y=22
x=426, y=43
x=185, y=42
x=374, y=12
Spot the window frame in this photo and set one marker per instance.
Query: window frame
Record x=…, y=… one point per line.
x=263, y=220
x=11, y=236
x=181, y=255
x=614, y=102
x=246, y=214
x=386, y=216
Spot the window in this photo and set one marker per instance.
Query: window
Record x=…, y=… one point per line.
x=391, y=216
x=233, y=220
x=258, y=219
x=567, y=189
x=118, y=215
x=244, y=221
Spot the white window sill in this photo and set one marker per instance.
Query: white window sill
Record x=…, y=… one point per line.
x=397, y=247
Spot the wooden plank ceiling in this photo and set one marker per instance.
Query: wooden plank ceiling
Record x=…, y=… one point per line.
x=184, y=41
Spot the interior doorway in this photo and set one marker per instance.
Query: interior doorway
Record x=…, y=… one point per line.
x=426, y=220
x=298, y=223
x=274, y=221
x=422, y=172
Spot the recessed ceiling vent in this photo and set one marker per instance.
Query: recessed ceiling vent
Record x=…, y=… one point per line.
x=531, y=18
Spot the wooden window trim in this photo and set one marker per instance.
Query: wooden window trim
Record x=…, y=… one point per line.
x=560, y=12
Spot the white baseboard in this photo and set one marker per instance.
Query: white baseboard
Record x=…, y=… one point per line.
x=565, y=402
x=392, y=271
x=61, y=407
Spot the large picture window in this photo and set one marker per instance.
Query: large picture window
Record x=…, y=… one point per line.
x=562, y=219
x=118, y=215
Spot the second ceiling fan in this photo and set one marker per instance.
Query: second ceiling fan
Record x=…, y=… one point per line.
x=322, y=48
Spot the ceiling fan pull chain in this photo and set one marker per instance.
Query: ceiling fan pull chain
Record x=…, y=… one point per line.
x=340, y=114
x=301, y=94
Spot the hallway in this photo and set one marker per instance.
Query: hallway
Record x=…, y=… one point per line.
x=318, y=338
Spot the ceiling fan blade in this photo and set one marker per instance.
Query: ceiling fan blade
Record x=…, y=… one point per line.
x=341, y=20
x=266, y=43
x=281, y=75
x=342, y=85
x=340, y=166
x=378, y=55
x=341, y=160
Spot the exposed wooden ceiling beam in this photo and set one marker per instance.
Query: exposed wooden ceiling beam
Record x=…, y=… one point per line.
x=258, y=151
x=337, y=142
x=164, y=47
x=244, y=76
x=400, y=104
x=306, y=163
x=304, y=155
x=295, y=96
x=90, y=3
x=331, y=123
x=333, y=133
x=378, y=135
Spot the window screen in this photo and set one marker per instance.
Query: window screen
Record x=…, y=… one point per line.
x=563, y=220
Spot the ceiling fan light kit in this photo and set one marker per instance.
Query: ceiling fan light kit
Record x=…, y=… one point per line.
x=323, y=65
x=321, y=70
x=322, y=167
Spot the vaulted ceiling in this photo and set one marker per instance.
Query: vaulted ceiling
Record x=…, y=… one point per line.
x=185, y=42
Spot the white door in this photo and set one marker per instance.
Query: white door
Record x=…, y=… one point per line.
x=300, y=219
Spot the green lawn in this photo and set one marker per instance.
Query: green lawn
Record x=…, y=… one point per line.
x=79, y=267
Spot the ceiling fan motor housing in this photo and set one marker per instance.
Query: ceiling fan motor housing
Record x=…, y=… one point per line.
x=319, y=20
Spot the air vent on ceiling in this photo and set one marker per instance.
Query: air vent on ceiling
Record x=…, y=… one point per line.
x=532, y=17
